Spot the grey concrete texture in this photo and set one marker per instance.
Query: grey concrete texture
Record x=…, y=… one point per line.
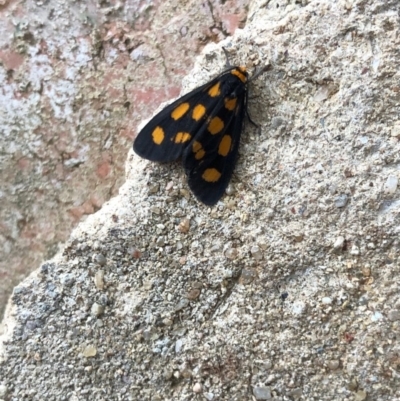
x=76, y=79
x=287, y=289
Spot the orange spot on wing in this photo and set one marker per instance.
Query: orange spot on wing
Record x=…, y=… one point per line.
x=180, y=111
x=198, y=112
x=196, y=146
x=182, y=137
x=200, y=154
x=216, y=125
x=225, y=145
x=198, y=150
x=230, y=104
x=214, y=90
x=158, y=135
x=211, y=175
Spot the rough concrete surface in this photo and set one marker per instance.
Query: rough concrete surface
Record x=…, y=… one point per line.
x=288, y=288
x=75, y=80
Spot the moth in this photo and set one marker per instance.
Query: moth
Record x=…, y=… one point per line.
x=203, y=128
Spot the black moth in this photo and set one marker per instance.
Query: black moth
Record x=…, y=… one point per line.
x=203, y=128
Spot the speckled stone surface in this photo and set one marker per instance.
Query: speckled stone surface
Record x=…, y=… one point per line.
x=76, y=78
x=288, y=288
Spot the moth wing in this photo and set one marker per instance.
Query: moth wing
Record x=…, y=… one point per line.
x=165, y=136
x=209, y=176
